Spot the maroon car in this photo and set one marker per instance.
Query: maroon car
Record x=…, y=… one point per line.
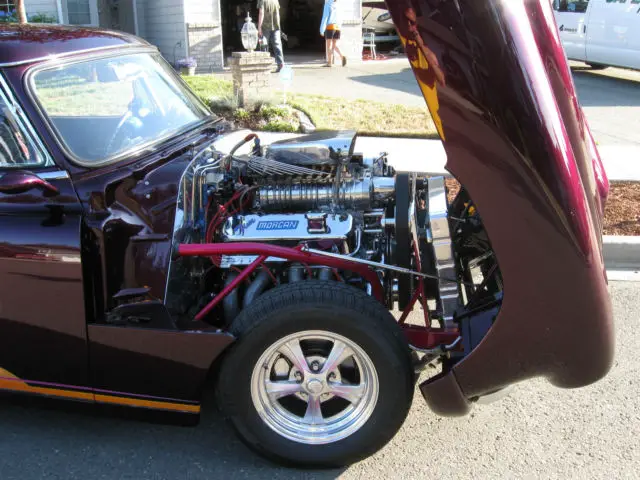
x=147, y=252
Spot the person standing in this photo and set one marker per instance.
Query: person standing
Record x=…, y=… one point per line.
x=269, y=27
x=330, y=30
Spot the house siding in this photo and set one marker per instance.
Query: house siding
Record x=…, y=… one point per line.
x=47, y=7
x=164, y=25
x=204, y=33
x=141, y=7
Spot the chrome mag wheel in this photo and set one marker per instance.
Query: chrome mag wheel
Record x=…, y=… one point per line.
x=314, y=387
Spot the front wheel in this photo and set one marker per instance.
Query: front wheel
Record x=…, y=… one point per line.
x=597, y=66
x=321, y=375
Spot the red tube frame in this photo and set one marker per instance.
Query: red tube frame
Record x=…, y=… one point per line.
x=424, y=337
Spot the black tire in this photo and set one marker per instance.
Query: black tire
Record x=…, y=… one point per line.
x=332, y=307
x=597, y=66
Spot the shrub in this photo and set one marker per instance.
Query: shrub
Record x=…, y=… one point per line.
x=279, y=125
x=269, y=111
x=189, y=62
x=8, y=17
x=242, y=115
x=42, y=18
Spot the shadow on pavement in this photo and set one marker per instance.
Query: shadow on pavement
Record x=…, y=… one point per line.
x=55, y=439
x=597, y=89
x=403, y=81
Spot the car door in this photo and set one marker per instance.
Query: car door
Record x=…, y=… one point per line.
x=571, y=17
x=613, y=36
x=43, y=345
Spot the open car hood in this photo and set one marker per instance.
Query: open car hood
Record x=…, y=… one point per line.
x=497, y=83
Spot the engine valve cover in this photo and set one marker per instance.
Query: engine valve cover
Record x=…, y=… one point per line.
x=296, y=226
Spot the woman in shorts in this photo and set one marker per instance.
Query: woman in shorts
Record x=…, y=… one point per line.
x=330, y=30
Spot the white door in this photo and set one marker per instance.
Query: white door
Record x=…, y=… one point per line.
x=613, y=33
x=571, y=17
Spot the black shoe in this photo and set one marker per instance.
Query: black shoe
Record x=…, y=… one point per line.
x=279, y=68
x=344, y=61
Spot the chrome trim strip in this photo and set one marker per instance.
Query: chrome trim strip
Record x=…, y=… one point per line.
x=30, y=89
x=51, y=175
x=54, y=175
x=61, y=56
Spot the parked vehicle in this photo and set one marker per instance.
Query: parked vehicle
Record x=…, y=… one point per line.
x=145, y=246
x=601, y=33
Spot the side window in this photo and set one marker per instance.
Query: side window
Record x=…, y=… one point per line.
x=571, y=6
x=15, y=148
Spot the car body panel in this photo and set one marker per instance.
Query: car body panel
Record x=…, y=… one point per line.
x=42, y=314
x=24, y=44
x=499, y=88
x=119, y=237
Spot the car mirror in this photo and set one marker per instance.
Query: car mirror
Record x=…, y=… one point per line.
x=21, y=181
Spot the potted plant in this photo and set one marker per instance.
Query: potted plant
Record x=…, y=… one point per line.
x=187, y=66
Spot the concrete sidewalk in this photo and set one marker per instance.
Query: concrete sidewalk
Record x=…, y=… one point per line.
x=428, y=156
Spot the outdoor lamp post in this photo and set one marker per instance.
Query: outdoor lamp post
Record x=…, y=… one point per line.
x=249, y=34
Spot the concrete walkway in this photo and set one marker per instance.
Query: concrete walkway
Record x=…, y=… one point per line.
x=428, y=156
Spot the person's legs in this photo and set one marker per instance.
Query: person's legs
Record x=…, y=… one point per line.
x=327, y=49
x=276, y=42
x=337, y=49
x=332, y=44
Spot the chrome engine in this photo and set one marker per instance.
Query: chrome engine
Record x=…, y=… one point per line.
x=319, y=193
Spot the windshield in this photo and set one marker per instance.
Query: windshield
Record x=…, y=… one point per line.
x=105, y=107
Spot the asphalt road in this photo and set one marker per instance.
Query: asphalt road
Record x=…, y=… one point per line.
x=536, y=432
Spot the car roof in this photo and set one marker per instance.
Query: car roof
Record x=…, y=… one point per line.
x=20, y=44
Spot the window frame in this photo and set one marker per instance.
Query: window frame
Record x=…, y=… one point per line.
x=133, y=152
x=556, y=6
x=10, y=4
x=30, y=134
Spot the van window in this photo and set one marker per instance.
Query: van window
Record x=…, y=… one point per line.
x=571, y=6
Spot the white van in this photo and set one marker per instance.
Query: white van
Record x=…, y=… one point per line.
x=600, y=33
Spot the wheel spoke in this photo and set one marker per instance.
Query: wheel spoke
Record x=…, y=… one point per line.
x=313, y=415
x=339, y=353
x=351, y=393
x=293, y=352
x=282, y=389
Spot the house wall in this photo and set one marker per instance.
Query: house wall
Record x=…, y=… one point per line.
x=204, y=33
x=164, y=26
x=142, y=17
x=48, y=7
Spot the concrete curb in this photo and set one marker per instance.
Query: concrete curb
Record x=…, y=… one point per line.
x=621, y=252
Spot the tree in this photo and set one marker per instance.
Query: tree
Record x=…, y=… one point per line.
x=21, y=13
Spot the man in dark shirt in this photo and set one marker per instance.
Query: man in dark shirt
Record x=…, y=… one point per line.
x=269, y=26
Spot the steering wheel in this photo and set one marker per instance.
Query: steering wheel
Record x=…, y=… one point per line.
x=120, y=133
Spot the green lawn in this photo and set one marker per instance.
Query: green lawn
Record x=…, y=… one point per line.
x=85, y=98
x=368, y=118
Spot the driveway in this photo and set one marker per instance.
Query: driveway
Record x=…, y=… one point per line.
x=610, y=98
x=537, y=432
